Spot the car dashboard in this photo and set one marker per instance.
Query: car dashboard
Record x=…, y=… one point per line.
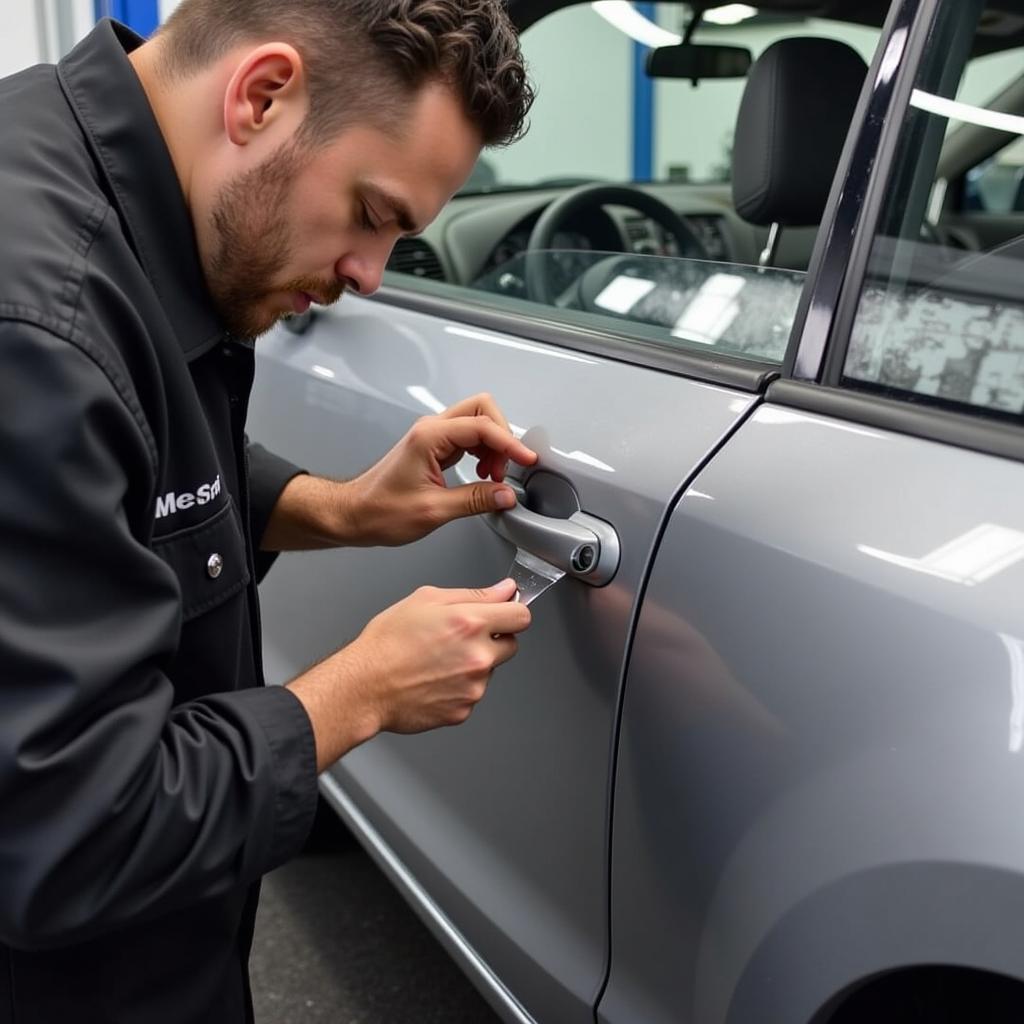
x=475, y=235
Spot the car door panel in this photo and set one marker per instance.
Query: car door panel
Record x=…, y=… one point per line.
x=502, y=820
x=824, y=710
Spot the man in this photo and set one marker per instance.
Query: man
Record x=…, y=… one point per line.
x=161, y=205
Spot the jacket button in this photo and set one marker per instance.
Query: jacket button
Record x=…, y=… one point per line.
x=214, y=566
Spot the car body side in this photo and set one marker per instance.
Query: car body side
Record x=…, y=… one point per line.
x=794, y=725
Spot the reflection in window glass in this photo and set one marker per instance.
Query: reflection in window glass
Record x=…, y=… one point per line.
x=997, y=185
x=583, y=119
x=937, y=344
x=935, y=320
x=697, y=304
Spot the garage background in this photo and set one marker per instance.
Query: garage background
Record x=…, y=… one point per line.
x=638, y=139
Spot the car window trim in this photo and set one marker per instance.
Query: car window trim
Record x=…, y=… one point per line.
x=929, y=422
x=740, y=374
x=864, y=157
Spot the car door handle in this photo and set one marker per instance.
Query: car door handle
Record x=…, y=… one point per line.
x=581, y=545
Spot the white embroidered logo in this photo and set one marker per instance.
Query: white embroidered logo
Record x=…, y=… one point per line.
x=173, y=502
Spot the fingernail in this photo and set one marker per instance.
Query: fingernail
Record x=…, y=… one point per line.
x=504, y=498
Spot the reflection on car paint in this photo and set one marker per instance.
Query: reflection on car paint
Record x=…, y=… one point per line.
x=1015, y=651
x=970, y=559
x=497, y=339
x=426, y=397
x=587, y=460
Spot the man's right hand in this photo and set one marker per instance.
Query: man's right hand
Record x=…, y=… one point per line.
x=422, y=663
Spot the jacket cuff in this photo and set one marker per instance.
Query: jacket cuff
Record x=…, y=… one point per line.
x=289, y=734
x=268, y=475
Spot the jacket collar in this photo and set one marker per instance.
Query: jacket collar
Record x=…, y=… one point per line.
x=114, y=113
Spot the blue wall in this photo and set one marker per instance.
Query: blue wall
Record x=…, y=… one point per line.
x=141, y=15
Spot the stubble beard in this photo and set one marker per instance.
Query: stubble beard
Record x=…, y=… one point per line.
x=250, y=223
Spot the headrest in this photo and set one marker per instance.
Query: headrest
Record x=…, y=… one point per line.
x=796, y=109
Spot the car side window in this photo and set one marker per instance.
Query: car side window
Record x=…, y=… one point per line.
x=654, y=251
x=940, y=319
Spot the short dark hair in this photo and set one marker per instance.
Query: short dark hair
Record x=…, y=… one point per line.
x=365, y=59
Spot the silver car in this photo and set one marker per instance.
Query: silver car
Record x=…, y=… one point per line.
x=753, y=289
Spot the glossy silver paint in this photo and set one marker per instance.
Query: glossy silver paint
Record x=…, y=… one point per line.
x=502, y=821
x=432, y=915
x=821, y=768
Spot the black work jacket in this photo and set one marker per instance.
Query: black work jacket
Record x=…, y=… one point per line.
x=147, y=778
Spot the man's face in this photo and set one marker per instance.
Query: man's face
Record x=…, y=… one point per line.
x=312, y=222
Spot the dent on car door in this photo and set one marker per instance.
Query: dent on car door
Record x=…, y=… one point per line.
x=823, y=721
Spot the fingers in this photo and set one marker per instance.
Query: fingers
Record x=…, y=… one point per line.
x=479, y=405
x=467, y=433
x=505, y=649
x=502, y=591
x=490, y=610
x=471, y=500
x=505, y=619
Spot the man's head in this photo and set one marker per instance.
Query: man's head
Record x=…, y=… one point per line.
x=309, y=135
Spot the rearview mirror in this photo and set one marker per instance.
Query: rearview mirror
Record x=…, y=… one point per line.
x=689, y=60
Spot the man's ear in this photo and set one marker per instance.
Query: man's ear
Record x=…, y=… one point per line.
x=266, y=93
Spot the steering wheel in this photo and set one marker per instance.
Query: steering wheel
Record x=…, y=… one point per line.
x=569, y=205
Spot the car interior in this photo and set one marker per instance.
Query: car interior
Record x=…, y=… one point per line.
x=740, y=239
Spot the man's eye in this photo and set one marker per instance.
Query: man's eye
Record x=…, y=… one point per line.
x=367, y=223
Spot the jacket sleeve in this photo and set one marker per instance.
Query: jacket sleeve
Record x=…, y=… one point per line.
x=268, y=475
x=115, y=805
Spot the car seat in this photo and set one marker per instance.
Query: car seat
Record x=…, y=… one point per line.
x=794, y=116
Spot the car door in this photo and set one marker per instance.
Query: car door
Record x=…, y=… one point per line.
x=502, y=821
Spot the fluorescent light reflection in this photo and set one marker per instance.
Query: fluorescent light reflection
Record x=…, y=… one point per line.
x=427, y=398
x=730, y=14
x=585, y=459
x=626, y=18
x=958, y=111
x=970, y=559
x=622, y=293
x=522, y=346
x=323, y=371
x=1015, y=652
x=712, y=311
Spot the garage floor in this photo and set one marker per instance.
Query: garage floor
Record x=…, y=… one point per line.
x=336, y=943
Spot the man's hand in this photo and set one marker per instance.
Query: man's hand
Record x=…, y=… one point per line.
x=422, y=663
x=404, y=496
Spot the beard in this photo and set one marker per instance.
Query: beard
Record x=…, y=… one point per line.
x=251, y=225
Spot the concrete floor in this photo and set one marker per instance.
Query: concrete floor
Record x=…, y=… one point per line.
x=336, y=943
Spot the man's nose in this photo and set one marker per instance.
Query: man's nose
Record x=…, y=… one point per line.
x=365, y=270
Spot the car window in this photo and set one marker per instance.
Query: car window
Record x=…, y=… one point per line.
x=935, y=322
x=695, y=304
x=694, y=286
x=582, y=122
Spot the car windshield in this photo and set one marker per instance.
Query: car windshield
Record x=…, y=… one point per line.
x=593, y=95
